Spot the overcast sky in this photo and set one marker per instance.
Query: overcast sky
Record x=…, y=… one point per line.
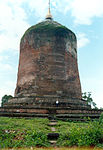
x=83, y=17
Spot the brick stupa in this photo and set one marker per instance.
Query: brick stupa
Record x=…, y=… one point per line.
x=48, y=72
x=48, y=62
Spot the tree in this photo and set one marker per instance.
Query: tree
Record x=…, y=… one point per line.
x=5, y=99
x=101, y=118
x=88, y=98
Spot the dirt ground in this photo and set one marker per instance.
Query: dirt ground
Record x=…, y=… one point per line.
x=56, y=148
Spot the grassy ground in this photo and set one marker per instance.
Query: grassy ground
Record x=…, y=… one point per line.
x=26, y=132
x=80, y=134
x=55, y=148
x=22, y=132
x=24, y=124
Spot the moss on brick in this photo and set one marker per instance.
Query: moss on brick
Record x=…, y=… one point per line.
x=50, y=28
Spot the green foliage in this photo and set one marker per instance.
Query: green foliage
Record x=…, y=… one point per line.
x=23, y=132
x=101, y=118
x=88, y=98
x=89, y=134
x=100, y=145
x=5, y=99
x=9, y=138
x=36, y=138
x=17, y=132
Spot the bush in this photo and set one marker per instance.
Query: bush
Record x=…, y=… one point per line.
x=36, y=138
x=33, y=132
x=101, y=118
x=5, y=99
x=82, y=136
x=23, y=132
x=27, y=139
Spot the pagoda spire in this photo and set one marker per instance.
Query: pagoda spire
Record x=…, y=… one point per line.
x=49, y=15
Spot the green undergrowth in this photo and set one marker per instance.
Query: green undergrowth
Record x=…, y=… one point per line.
x=56, y=148
x=24, y=132
x=80, y=134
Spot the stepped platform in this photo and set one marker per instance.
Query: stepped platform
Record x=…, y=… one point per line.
x=60, y=113
x=67, y=109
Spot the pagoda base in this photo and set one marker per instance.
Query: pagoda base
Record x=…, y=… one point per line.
x=67, y=109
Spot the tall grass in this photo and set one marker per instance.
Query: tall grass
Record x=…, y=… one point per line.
x=16, y=132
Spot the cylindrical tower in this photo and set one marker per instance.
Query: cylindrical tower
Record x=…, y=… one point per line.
x=48, y=62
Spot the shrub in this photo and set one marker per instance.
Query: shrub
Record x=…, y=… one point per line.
x=5, y=99
x=23, y=132
x=82, y=136
x=101, y=118
x=35, y=138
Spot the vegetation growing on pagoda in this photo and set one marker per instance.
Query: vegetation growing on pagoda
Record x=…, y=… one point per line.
x=5, y=99
x=52, y=29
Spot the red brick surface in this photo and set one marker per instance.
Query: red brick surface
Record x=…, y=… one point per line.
x=48, y=67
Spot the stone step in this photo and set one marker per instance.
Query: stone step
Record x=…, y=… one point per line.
x=15, y=114
x=22, y=106
x=52, y=124
x=53, y=142
x=53, y=129
x=53, y=121
x=73, y=115
x=70, y=116
x=53, y=136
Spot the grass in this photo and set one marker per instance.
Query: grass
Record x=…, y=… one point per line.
x=24, y=124
x=22, y=132
x=54, y=148
x=80, y=134
x=26, y=132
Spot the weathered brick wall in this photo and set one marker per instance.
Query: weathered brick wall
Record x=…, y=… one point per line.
x=48, y=65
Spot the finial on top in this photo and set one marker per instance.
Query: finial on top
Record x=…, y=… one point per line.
x=49, y=15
